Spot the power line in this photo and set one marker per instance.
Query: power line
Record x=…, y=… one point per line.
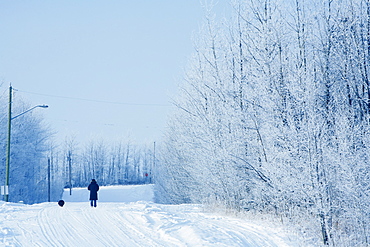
x=92, y=100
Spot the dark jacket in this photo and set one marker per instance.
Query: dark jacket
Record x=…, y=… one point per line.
x=94, y=188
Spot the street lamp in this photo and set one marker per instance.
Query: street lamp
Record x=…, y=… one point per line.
x=5, y=189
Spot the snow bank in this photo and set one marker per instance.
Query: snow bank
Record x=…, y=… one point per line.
x=121, y=193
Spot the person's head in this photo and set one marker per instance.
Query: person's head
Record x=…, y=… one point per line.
x=93, y=180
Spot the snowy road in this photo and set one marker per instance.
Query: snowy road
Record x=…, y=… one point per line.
x=140, y=223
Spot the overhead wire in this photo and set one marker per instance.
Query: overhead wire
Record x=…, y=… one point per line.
x=94, y=100
x=89, y=100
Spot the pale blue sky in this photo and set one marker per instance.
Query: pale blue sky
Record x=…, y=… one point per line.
x=56, y=52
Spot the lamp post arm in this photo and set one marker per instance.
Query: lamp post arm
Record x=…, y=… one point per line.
x=43, y=106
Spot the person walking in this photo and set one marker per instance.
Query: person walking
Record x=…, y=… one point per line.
x=94, y=188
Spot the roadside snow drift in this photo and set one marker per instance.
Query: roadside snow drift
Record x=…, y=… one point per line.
x=120, y=193
x=127, y=216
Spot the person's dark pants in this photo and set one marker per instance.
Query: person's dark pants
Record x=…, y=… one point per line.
x=93, y=203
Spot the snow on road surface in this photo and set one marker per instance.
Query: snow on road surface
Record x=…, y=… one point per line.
x=127, y=216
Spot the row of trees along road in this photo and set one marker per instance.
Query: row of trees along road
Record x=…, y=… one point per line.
x=27, y=154
x=40, y=168
x=273, y=117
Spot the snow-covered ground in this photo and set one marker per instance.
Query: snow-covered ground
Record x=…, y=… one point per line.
x=127, y=216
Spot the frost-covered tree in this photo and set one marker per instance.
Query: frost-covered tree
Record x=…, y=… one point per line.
x=274, y=116
x=29, y=138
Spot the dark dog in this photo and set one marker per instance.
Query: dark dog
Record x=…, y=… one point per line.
x=61, y=203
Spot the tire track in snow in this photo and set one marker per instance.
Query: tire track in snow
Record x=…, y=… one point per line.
x=80, y=225
x=60, y=227
x=105, y=221
x=48, y=229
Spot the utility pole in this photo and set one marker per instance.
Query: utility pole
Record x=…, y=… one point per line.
x=6, y=187
x=70, y=172
x=153, y=166
x=49, y=179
